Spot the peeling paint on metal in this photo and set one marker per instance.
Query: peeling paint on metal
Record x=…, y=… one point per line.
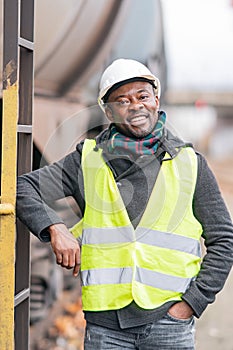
x=9, y=74
x=7, y=221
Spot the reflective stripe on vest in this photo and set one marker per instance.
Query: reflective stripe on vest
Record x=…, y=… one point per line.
x=143, y=235
x=125, y=275
x=151, y=264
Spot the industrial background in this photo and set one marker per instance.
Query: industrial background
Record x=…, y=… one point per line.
x=52, y=54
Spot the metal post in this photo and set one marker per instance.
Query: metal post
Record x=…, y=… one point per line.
x=8, y=173
x=26, y=73
x=17, y=108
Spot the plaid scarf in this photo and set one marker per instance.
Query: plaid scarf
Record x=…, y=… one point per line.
x=119, y=143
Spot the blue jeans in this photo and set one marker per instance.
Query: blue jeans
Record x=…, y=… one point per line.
x=167, y=333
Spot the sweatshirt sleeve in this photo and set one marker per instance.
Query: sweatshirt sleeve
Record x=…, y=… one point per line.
x=38, y=191
x=210, y=210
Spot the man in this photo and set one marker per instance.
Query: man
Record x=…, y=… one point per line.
x=146, y=198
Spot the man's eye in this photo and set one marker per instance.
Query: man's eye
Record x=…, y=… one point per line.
x=123, y=102
x=144, y=97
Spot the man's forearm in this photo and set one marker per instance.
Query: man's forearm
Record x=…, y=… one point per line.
x=36, y=191
x=31, y=210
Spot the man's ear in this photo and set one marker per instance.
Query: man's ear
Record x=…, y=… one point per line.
x=157, y=101
x=109, y=113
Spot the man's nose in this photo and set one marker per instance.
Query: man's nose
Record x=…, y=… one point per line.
x=136, y=104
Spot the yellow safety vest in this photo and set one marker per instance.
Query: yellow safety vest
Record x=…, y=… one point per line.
x=151, y=264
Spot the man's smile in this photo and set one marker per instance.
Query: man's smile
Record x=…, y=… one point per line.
x=138, y=120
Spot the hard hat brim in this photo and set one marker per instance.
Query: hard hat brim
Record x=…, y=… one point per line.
x=121, y=83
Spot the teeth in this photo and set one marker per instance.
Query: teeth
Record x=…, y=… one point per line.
x=135, y=121
x=138, y=118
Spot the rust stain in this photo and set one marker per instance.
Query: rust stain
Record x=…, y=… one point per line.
x=10, y=73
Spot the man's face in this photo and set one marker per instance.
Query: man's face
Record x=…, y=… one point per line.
x=133, y=108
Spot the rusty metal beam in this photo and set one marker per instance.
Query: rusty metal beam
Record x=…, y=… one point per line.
x=8, y=173
x=17, y=108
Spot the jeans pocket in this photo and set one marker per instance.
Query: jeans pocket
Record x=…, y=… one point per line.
x=179, y=320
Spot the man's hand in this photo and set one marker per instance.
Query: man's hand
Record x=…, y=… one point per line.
x=181, y=310
x=65, y=247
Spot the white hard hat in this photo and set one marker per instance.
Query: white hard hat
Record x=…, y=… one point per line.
x=125, y=69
